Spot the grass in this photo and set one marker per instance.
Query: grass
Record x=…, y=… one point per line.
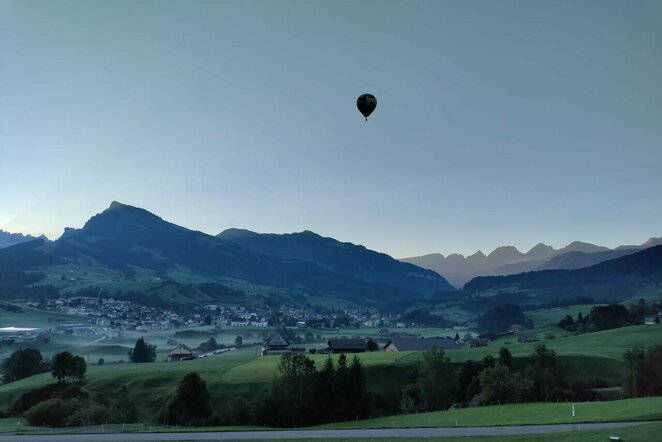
x=520, y=414
x=242, y=372
x=606, y=344
x=640, y=433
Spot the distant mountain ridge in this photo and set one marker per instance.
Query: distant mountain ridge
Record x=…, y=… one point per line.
x=130, y=240
x=8, y=239
x=339, y=257
x=611, y=280
x=508, y=260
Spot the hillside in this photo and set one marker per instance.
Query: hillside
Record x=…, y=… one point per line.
x=614, y=279
x=130, y=243
x=339, y=257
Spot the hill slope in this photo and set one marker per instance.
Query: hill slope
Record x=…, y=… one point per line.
x=128, y=240
x=339, y=257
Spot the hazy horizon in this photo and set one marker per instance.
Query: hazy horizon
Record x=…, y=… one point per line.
x=506, y=123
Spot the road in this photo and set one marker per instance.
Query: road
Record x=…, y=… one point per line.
x=313, y=434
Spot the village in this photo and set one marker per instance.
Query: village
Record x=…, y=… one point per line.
x=111, y=318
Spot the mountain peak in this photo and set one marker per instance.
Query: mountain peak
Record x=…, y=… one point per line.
x=540, y=250
x=579, y=246
x=116, y=205
x=653, y=241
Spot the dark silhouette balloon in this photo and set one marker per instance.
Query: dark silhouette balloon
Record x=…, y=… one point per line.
x=366, y=104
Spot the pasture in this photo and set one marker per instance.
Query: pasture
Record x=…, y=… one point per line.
x=645, y=409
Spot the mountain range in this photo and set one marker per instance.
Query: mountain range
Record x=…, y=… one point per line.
x=611, y=280
x=507, y=260
x=9, y=239
x=125, y=244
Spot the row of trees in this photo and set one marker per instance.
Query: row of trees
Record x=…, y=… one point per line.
x=644, y=371
x=24, y=363
x=29, y=362
x=300, y=395
x=440, y=383
x=606, y=317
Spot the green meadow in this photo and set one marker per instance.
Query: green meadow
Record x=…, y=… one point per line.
x=588, y=357
x=645, y=409
x=649, y=432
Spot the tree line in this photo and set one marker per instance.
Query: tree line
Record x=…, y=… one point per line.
x=610, y=316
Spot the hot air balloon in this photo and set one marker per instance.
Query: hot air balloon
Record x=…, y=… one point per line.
x=366, y=104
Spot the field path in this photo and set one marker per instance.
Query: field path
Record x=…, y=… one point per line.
x=316, y=434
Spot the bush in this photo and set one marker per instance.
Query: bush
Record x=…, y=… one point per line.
x=90, y=413
x=52, y=391
x=49, y=413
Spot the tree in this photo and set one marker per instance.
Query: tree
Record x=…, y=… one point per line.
x=66, y=365
x=142, y=352
x=644, y=371
x=372, y=345
x=437, y=380
x=543, y=374
x=505, y=357
x=357, y=398
x=468, y=382
x=78, y=368
x=124, y=407
x=499, y=384
x=22, y=364
x=238, y=341
x=60, y=366
x=101, y=361
x=293, y=390
x=635, y=361
x=209, y=345
x=191, y=403
x=326, y=394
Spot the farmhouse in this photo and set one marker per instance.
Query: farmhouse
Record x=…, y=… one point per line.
x=276, y=345
x=180, y=353
x=420, y=344
x=345, y=346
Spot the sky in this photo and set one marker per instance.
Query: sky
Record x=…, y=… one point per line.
x=498, y=122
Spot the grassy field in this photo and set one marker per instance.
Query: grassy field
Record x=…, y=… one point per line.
x=243, y=372
x=521, y=414
x=606, y=344
x=234, y=372
x=640, y=433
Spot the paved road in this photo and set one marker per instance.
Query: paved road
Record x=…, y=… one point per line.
x=312, y=434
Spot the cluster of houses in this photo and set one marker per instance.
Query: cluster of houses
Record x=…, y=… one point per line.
x=277, y=345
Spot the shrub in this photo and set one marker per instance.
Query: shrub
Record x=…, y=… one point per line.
x=52, y=391
x=49, y=413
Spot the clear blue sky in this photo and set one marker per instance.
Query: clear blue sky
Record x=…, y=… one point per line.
x=498, y=122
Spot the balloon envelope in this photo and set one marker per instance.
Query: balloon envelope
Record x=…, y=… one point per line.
x=366, y=104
